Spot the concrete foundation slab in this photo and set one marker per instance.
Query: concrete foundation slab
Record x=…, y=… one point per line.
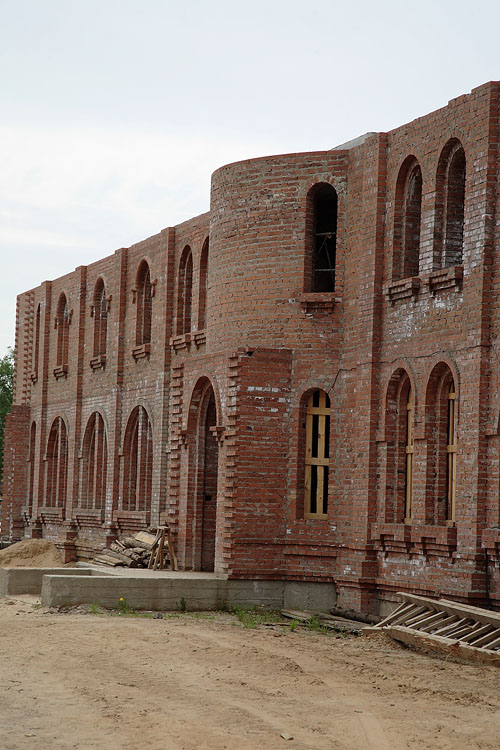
x=15, y=581
x=199, y=592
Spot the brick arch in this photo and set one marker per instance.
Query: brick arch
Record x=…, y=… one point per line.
x=203, y=285
x=94, y=464
x=184, y=308
x=62, y=324
x=203, y=462
x=321, y=223
x=144, y=301
x=449, y=210
x=56, y=464
x=100, y=314
x=407, y=219
x=399, y=408
x=137, y=462
x=440, y=421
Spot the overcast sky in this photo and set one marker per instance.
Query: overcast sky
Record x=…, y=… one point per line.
x=114, y=113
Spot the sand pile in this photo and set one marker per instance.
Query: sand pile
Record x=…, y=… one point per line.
x=31, y=553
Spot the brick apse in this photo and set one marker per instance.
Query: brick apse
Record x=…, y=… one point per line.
x=304, y=381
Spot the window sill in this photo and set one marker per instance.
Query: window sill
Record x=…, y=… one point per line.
x=48, y=514
x=316, y=302
x=315, y=517
x=435, y=540
x=490, y=541
x=446, y=278
x=143, y=351
x=402, y=289
x=89, y=517
x=61, y=372
x=183, y=341
x=392, y=537
x=99, y=362
x=200, y=338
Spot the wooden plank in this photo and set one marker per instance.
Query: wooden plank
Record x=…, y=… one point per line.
x=447, y=647
x=396, y=613
x=432, y=622
x=415, y=616
x=484, y=616
x=476, y=631
x=486, y=639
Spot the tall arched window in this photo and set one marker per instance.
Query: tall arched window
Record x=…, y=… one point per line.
x=202, y=303
x=94, y=466
x=100, y=312
x=317, y=455
x=56, y=465
x=137, y=462
x=450, y=204
x=399, y=418
x=36, y=345
x=407, y=219
x=185, y=292
x=144, y=299
x=62, y=323
x=321, y=233
x=441, y=433
x=31, y=459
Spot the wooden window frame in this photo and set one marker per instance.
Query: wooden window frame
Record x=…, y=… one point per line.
x=317, y=421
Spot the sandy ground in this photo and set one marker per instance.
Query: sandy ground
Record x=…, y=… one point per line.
x=76, y=680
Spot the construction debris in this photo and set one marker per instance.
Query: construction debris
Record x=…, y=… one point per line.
x=445, y=627
x=340, y=624
x=145, y=549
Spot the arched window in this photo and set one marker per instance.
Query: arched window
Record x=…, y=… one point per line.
x=36, y=345
x=63, y=319
x=94, y=467
x=56, y=465
x=137, y=462
x=407, y=219
x=441, y=432
x=31, y=460
x=185, y=292
x=144, y=299
x=317, y=455
x=100, y=312
x=450, y=204
x=202, y=304
x=321, y=232
x=399, y=420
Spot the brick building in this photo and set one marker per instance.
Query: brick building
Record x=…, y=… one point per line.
x=303, y=381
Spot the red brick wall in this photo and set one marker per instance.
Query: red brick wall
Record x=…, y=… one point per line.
x=267, y=342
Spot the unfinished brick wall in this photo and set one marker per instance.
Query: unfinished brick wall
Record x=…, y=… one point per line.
x=212, y=335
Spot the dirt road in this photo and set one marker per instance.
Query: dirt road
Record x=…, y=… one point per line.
x=85, y=681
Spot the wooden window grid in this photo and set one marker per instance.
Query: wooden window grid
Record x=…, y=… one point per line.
x=317, y=455
x=451, y=455
x=409, y=457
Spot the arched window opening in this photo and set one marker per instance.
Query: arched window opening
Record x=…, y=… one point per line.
x=56, y=465
x=36, y=345
x=202, y=304
x=31, y=460
x=100, y=310
x=138, y=462
x=63, y=319
x=95, y=461
x=442, y=446
x=450, y=205
x=324, y=238
x=407, y=220
x=185, y=292
x=144, y=296
x=399, y=420
x=317, y=455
